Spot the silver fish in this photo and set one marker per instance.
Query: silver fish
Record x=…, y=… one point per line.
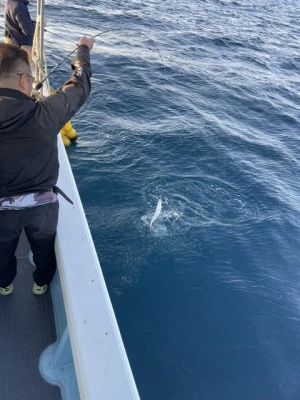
x=157, y=212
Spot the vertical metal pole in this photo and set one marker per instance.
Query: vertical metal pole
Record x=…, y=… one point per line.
x=41, y=41
x=39, y=52
x=41, y=35
x=37, y=71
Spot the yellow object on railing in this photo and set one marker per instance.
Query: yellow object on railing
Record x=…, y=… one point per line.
x=68, y=133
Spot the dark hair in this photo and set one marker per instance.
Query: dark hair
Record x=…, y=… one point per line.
x=11, y=59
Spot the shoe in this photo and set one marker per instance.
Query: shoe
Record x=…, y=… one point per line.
x=39, y=290
x=4, y=291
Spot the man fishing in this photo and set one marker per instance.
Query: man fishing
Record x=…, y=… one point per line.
x=29, y=159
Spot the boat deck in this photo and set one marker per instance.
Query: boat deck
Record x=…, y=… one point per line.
x=26, y=328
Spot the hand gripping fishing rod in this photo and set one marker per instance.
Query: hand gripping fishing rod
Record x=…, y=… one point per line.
x=39, y=85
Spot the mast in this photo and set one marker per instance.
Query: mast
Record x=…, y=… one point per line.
x=38, y=43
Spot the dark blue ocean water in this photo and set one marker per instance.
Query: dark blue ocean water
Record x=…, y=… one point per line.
x=197, y=103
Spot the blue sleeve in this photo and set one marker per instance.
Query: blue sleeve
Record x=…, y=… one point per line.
x=24, y=20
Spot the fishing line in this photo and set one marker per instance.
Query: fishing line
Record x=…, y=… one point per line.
x=147, y=37
x=62, y=37
x=40, y=84
x=156, y=48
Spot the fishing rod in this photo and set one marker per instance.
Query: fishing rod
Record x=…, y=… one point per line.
x=39, y=85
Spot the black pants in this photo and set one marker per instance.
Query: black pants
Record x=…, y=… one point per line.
x=40, y=225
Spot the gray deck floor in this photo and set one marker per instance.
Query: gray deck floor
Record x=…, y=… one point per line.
x=26, y=329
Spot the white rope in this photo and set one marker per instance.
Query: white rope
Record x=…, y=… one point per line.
x=38, y=59
x=36, y=44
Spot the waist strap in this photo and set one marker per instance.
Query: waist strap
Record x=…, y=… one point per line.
x=27, y=200
x=57, y=190
x=18, y=202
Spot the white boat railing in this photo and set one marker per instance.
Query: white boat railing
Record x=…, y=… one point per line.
x=101, y=364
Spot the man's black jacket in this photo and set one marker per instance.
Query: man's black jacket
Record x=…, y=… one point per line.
x=28, y=131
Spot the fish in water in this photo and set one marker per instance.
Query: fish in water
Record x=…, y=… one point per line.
x=157, y=212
